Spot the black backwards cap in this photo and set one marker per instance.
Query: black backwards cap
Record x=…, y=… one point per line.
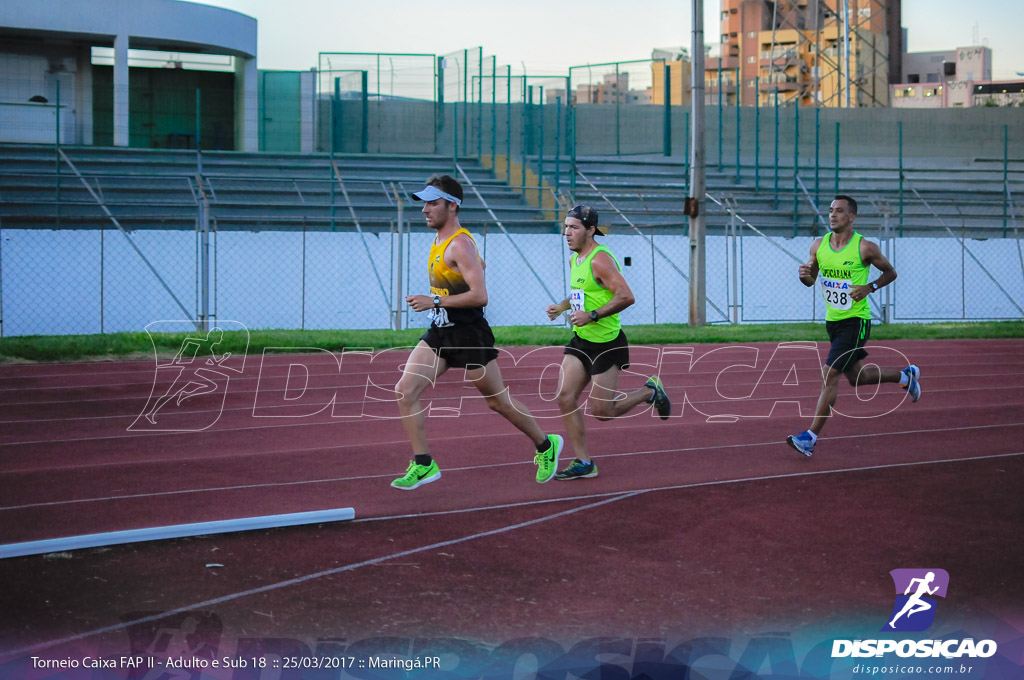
x=586, y=215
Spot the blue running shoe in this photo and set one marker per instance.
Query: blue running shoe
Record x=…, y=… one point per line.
x=659, y=398
x=913, y=386
x=802, y=442
x=578, y=470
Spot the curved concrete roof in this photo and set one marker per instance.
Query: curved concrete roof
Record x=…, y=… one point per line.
x=167, y=25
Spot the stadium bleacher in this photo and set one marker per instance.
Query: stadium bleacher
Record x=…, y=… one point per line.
x=162, y=189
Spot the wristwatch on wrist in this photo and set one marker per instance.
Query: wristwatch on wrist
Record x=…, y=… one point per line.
x=437, y=302
x=593, y=315
x=874, y=286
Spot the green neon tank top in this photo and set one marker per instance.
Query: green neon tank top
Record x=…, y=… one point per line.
x=839, y=273
x=587, y=294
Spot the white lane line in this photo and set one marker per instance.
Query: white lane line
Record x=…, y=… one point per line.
x=674, y=487
x=605, y=499
x=133, y=415
x=309, y=577
x=468, y=468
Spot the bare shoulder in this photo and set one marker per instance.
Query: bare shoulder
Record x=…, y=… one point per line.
x=869, y=248
x=462, y=245
x=815, y=245
x=603, y=264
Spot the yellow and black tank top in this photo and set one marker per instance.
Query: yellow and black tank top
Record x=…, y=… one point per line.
x=587, y=294
x=839, y=273
x=445, y=281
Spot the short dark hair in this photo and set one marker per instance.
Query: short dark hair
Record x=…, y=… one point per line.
x=447, y=184
x=849, y=201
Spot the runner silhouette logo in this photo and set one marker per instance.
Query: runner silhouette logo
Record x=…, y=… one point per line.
x=915, y=603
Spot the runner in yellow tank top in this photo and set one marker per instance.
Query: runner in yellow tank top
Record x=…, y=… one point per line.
x=459, y=336
x=598, y=349
x=844, y=258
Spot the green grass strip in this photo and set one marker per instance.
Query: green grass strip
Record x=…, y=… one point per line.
x=138, y=345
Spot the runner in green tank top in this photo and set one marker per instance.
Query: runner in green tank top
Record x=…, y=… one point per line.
x=844, y=258
x=598, y=349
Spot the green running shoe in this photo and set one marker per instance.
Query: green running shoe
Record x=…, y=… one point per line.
x=659, y=398
x=417, y=475
x=547, y=462
x=578, y=470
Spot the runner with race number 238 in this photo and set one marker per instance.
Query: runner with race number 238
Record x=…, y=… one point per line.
x=842, y=261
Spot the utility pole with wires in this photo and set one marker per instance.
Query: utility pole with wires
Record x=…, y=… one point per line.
x=698, y=231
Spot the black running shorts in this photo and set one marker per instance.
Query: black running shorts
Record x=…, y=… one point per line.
x=464, y=345
x=848, y=337
x=598, y=357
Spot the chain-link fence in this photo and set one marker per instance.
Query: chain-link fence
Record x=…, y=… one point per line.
x=94, y=240
x=355, y=93
x=65, y=281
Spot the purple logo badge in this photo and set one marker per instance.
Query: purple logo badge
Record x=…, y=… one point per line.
x=914, y=608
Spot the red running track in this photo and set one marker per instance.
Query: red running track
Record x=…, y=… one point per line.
x=707, y=522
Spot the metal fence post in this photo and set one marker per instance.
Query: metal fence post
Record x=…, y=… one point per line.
x=886, y=248
x=540, y=151
x=570, y=134
x=364, y=132
x=465, y=98
x=776, y=146
x=837, y=156
x=480, y=104
x=335, y=108
x=337, y=139
x=667, y=127
x=899, y=125
x=796, y=165
x=738, y=119
x=523, y=112
x=508, y=125
x=1006, y=180
x=618, y=114
x=56, y=146
x=757, y=132
x=734, y=265
x=398, y=274
x=438, y=103
x=720, y=114
x=204, y=258
x=817, y=153
x=494, y=113
x=687, y=137
x=558, y=144
x=103, y=279
x=198, y=123
x=379, y=88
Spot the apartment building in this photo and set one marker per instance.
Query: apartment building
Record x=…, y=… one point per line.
x=830, y=53
x=953, y=79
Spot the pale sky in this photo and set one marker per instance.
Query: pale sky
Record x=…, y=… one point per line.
x=548, y=36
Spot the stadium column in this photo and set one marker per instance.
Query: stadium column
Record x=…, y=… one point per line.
x=246, y=105
x=121, y=90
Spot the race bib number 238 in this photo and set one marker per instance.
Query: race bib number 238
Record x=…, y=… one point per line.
x=577, y=300
x=836, y=293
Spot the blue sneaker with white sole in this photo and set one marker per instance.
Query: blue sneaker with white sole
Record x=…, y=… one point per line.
x=802, y=442
x=913, y=386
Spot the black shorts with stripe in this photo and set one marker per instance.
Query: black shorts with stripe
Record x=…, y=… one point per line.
x=598, y=357
x=848, y=337
x=463, y=345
